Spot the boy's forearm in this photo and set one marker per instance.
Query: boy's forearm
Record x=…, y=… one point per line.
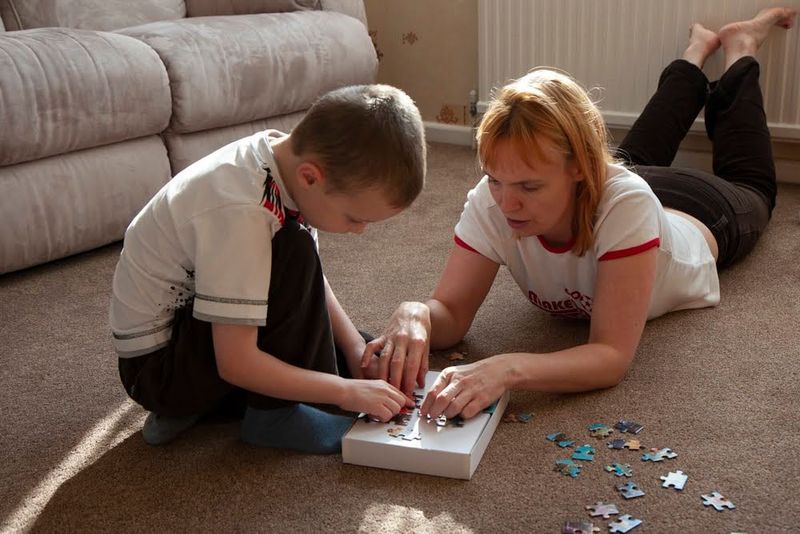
x=582, y=368
x=345, y=334
x=262, y=373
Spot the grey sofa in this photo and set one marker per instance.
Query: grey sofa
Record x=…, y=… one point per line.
x=101, y=102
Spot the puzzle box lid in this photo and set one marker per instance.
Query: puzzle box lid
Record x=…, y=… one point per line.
x=442, y=451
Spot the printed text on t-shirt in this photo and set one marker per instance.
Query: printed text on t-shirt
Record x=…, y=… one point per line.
x=576, y=305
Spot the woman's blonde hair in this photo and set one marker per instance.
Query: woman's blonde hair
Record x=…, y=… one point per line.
x=547, y=105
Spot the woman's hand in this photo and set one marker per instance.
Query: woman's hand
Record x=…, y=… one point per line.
x=403, y=348
x=467, y=389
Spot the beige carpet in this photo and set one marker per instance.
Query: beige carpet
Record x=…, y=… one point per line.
x=718, y=386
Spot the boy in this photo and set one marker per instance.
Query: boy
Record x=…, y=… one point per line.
x=219, y=293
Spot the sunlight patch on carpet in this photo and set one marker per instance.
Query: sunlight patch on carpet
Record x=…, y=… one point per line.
x=105, y=435
x=396, y=518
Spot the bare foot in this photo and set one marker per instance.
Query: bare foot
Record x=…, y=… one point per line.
x=702, y=43
x=744, y=38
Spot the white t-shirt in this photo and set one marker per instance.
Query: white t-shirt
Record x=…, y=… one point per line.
x=207, y=235
x=630, y=220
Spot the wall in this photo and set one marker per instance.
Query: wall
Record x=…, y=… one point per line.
x=428, y=48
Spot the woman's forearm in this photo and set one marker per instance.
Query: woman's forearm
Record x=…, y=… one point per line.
x=446, y=328
x=582, y=368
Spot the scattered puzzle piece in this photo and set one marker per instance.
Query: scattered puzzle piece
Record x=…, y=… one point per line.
x=628, y=426
x=658, y=455
x=616, y=444
x=579, y=527
x=511, y=417
x=624, y=523
x=602, y=509
x=455, y=356
x=719, y=502
x=599, y=430
x=630, y=490
x=676, y=480
x=633, y=445
x=560, y=439
x=568, y=468
x=584, y=452
x=620, y=469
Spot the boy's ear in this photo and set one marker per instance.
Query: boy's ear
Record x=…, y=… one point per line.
x=309, y=174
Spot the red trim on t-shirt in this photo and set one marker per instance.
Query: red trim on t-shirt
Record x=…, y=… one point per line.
x=554, y=249
x=460, y=242
x=632, y=251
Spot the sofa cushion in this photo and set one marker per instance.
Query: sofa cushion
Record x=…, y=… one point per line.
x=64, y=90
x=87, y=14
x=229, y=70
x=206, y=8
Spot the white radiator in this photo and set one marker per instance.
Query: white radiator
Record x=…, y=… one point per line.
x=618, y=48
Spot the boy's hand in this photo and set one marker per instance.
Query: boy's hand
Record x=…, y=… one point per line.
x=377, y=398
x=403, y=348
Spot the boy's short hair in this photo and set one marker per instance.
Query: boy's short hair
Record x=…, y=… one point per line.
x=366, y=137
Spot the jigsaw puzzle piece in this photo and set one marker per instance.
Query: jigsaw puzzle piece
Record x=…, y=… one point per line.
x=560, y=439
x=606, y=510
x=579, y=527
x=676, y=480
x=616, y=444
x=630, y=490
x=658, y=455
x=568, y=468
x=624, y=523
x=599, y=430
x=628, y=426
x=718, y=501
x=584, y=452
x=633, y=445
x=620, y=470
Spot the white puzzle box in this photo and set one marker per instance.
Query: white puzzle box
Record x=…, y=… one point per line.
x=449, y=448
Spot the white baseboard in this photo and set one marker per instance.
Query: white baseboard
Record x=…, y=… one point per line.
x=451, y=134
x=787, y=169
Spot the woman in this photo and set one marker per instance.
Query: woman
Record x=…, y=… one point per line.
x=587, y=236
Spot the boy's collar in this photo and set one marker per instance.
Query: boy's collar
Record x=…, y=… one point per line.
x=286, y=198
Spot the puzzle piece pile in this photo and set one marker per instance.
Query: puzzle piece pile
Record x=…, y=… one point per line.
x=584, y=454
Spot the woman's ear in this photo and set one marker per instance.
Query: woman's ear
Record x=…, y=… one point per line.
x=574, y=171
x=310, y=174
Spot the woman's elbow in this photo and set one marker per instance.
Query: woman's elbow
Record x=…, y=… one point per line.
x=616, y=368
